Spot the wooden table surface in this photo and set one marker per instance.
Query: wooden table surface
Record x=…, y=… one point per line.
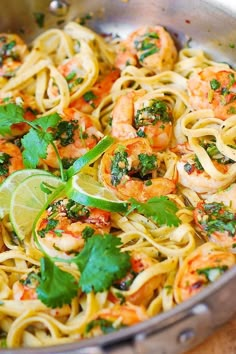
x=223, y=341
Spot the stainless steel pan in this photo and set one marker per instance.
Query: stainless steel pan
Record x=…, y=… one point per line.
x=211, y=25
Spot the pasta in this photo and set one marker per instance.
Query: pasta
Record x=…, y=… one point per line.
x=173, y=162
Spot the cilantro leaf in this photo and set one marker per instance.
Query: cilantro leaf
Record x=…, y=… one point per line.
x=35, y=143
x=159, y=209
x=47, y=122
x=101, y=263
x=56, y=287
x=10, y=114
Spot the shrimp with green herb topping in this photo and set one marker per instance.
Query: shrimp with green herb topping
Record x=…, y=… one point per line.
x=129, y=169
x=64, y=226
x=136, y=115
x=217, y=223
x=150, y=46
x=202, y=267
x=191, y=173
x=214, y=88
x=76, y=134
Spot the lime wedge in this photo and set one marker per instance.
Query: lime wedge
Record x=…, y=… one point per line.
x=85, y=190
x=91, y=156
x=9, y=185
x=28, y=199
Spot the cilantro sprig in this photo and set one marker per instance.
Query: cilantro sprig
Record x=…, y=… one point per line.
x=101, y=262
x=160, y=209
x=56, y=287
x=36, y=141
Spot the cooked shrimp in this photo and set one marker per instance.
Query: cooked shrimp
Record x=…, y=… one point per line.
x=214, y=88
x=192, y=175
x=12, y=53
x=217, y=223
x=133, y=116
x=225, y=196
x=64, y=225
x=151, y=47
x=92, y=98
x=124, y=162
x=71, y=70
x=111, y=319
x=28, y=103
x=76, y=134
x=10, y=159
x=205, y=265
x=25, y=289
x=139, y=262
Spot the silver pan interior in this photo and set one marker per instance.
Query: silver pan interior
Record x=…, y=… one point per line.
x=211, y=25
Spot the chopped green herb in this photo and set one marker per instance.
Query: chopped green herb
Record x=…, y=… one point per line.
x=105, y=326
x=188, y=168
x=231, y=80
x=87, y=232
x=65, y=132
x=141, y=133
x=157, y=111
x=39, y=18
x=32, y=280
x=51, y=224
x=212, y=273
x=218, y=218
x=224, y=91
x=70, y=76
x=119, y=165
x=152, y=35
x=214, y=84
x=148, y=53
x=89, y=96
x=76, y=211
x=214, y=153
x=168, y=289
x=121, y=297
x=231, y=110
x=148, y=182
x=4, y=163
x=198, y=164
x=84, y=19
x=147, y=163
x=66, y=162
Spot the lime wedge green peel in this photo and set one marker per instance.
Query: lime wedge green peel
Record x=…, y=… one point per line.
x=84, y=189
x=27, y=201
x=10, y=184
x=91, y=156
